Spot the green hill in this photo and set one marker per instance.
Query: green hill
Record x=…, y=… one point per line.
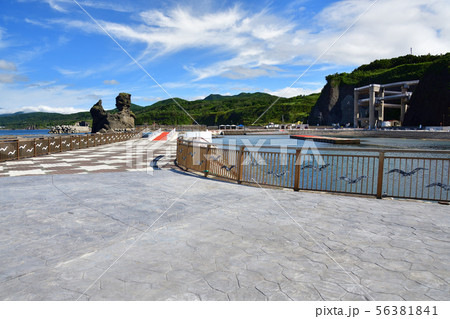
x=41, y=119
x=335, y=104
x=217, y=109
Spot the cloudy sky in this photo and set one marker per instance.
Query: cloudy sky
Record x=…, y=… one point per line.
x=64, y=55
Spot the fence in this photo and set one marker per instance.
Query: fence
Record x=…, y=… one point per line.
x=17, y=149
x=380, y=173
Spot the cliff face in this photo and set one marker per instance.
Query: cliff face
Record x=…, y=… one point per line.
x=430, y=102
x=335, y=105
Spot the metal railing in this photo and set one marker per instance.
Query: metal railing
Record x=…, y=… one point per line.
x=415, y=174
x=17, y=149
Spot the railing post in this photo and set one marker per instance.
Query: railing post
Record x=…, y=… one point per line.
x=35, y=150
x=240, y=163
x=380, y=175
x=60, y=143
x=18, y=149
x=207, y=161
x=297, y=171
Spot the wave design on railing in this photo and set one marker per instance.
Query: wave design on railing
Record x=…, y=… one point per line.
x=403, y=173
x=22, y=147
x=12, y=152
x=441, y=185
x=30, y=150
x=4, y=149
x=352, y=181
x=316, y=168
x=280, y=174
x=228, y=168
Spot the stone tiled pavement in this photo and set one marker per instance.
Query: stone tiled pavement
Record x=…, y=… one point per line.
x=123, y=156
x=172, y=236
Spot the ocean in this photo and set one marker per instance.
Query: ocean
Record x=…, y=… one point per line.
x=24, y=133
x=376, y=142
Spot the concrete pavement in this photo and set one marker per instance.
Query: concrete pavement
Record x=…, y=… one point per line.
x=174, y=236
x=132, y=155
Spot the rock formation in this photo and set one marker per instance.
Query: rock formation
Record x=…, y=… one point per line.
x=69, y=129
x=120, y=121
x=430, y=102
x=335, y=105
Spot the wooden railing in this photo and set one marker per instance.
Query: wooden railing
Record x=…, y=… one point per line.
x=416, y=174
x=17, y=149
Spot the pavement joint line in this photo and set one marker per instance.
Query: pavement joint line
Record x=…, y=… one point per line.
x=137, y=239
x=88, y=207
x=365, y=291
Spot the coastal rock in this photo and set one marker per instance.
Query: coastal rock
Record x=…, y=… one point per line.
x=69, y=129
x=335, y=105
x=430, y=102
x=122, y=120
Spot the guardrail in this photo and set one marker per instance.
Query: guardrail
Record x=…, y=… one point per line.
x=151, y=135
x=374, y=172
x=171, y=133
x=17, y=149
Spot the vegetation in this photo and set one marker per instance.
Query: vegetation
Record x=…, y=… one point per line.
x=215, y=109
x=404, y=68
x=41, y=119
x=245, y=108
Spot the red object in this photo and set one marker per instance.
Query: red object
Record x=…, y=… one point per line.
x=161, y=137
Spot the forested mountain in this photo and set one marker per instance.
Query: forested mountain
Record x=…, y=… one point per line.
x=333, y=105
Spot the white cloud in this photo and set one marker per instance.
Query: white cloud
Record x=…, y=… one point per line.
x=54, y=97
x=110, y=82
x=76, y=73
x=50, y=109
x=37, y=23
x=388, y=29
x=60, y=5
x=7, y=65
x=55, y=5
x=12, y=78
x=243, y=45
x=241, y=72
x=293, y=91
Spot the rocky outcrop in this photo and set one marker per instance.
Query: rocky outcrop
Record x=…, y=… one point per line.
x=335, y=105
x=430, y=102
x=120, y=121
x=69, y=129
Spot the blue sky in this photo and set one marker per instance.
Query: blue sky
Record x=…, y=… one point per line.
x=53, y=57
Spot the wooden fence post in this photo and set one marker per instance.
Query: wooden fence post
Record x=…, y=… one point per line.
x=18, y=149
x=297, y=171
x=380, y=174
x=35, y=150
x=240, y=163
x=207, y=162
